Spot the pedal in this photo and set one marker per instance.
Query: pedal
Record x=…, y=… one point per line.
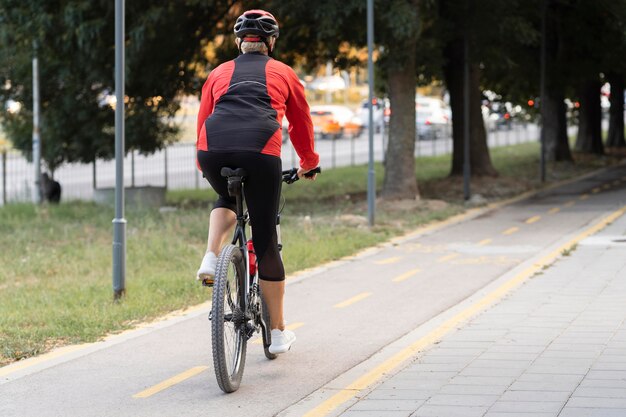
x=210, y=315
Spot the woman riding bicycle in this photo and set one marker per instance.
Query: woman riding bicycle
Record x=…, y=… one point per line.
x=239, y=126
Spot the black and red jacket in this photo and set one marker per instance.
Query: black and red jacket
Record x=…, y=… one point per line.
x=243, y=104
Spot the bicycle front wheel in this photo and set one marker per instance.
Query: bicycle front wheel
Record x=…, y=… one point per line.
x=228, y=322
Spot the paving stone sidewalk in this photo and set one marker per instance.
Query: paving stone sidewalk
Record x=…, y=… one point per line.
x=556, y=346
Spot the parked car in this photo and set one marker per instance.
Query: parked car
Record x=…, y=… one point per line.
x=334, y=121
x=432, y=118
x=500, y=115
x=381, y=112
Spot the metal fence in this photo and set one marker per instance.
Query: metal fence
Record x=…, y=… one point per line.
x=175, y=166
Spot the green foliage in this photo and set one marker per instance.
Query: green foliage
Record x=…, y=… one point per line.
x=75, y=46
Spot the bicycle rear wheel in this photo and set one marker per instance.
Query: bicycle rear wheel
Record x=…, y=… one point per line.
x=228, y=323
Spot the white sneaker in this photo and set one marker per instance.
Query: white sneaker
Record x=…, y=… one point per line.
x=281, y=341
x=207, y=268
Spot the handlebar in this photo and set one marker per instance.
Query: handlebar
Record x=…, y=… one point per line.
x=291, y=175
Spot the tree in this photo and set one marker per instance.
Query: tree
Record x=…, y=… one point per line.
x=75, y=46
x=319, y=33
x=460, y=23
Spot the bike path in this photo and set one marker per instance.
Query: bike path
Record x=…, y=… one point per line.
x=345, y=313
x=555, y=347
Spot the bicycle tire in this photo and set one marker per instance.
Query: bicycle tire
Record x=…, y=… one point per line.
x=265, y=313
x=228, y=324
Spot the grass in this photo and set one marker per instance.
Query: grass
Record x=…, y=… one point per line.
x=55, y=261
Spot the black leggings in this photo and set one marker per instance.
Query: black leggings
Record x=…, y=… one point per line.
x=262, y=193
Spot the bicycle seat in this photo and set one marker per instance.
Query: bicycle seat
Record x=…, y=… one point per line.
x=237, y=172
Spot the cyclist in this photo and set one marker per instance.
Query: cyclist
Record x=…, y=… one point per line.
x=239, y=126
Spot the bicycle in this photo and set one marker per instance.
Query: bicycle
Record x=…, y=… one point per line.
x=238, y=309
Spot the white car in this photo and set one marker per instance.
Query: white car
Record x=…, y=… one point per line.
x=381, y=112
x=432, y=118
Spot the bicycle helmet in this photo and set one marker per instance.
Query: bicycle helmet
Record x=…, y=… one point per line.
x=256, y=22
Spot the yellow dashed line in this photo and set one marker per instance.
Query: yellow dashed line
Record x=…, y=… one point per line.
x=484, y=242
x=533, y=219
x=510, y=231
x=389, y=260
x=584, y=196
x=448, y=257
x=353, y=300
x=554, y=210
x=606, y=186
x=170, y=382
x=596, y=190
x=351, y=390
x=292, y=326
x=406, y=275
x=569, y=203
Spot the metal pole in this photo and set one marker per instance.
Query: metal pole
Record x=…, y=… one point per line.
x=36, y=134
x=542, y=135
x=132, y=168
x=4, y=178
x=165, y=160
x=382, y=136
x=352, y=151
x=93, y=175
x=119, y=222
x=371, y=175
x=466, y=119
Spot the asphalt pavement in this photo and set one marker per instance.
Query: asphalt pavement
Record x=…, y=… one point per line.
x=514, y=309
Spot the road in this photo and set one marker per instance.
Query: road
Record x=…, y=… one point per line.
x=176, y=168
x=344, y=314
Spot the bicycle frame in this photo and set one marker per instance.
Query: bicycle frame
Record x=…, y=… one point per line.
x=235, y=188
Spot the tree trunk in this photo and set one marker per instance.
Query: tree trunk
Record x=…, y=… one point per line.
x=616, y=114
x=400, y=181
x=480, y=160
x=553, y=110
x=554, y=125
x=589, y=137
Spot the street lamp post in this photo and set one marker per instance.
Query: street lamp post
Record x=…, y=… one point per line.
x=119, y=222
x=466, y=113
x=36, y=132
x=371, y=175
x=542, y=87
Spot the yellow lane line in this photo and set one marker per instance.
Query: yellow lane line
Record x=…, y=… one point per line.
x=510, y=231
x=584, y=196
x=292, y=326
x=353, y=389
x=484, y=242
x=554, y=210
x=170, y=382
x=617, y=182
x=389, y=260
x=533, y=219
x=406, y=275
x=353, y=300
x=569, y=203
x=606, y=186
x=448, y=257
x=596, y=190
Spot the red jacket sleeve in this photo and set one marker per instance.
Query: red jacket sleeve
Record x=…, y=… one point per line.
x=300, y=123
x=206, y=108
x=215, y=86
